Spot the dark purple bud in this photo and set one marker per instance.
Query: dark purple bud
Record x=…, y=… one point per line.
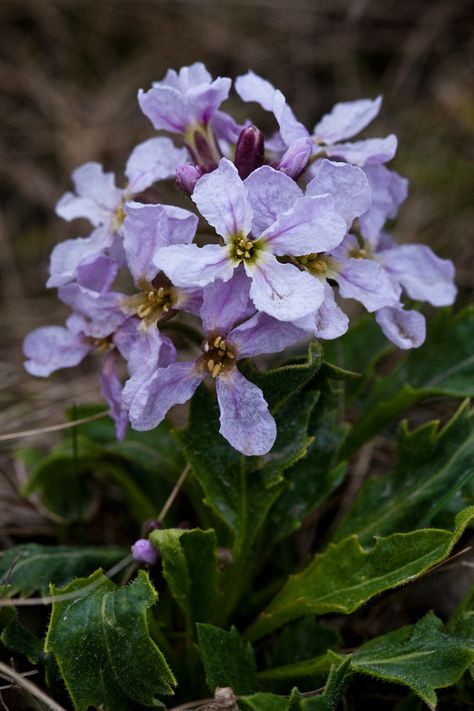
x=187, y=176
x=205, y=151
x=151, y=524
x=249, y=151
x=144, y=552
x=295, y=160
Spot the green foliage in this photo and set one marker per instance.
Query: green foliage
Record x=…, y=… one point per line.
x=433, y=476
x=444, y=365
x=100, y=639
x=190, y=568
x=227, y=660
x=18, y=638
x=30, y=567
x=346, y=576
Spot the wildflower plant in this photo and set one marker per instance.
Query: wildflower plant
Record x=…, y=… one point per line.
x=241, y=304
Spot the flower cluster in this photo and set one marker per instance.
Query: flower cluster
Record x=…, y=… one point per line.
x=291, y=223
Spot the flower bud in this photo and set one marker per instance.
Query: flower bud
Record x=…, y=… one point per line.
x=294, y=161
x=249, y=151
x=187, y=176
x=144, y=552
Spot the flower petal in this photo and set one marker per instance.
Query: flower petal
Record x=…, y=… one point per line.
x=150, y=227
x=367, y=282
x=102, y=311
x=263, y=334
x=166, y=107
x=97, y=274
x=291, y=129
x=52, y=347
x=251, y=87
x=205, y=100
x=66, y=256
x=222, y=199
x=282, y=290
x=270, y=193
x=406, y=329
x=190, y=265
x=97, y=195
x=167, y=387
x=368, y=152
x=152, y=160
x=422, y=274
x=346, y=183
x=311, y=225
x=346, y=119
x=246, y=422
x=388, y=190
x=329, y=321
x=111, y=389
x=224, y=304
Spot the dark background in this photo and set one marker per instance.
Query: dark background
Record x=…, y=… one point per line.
x=69, y=74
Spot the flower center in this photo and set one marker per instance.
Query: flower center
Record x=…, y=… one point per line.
x=119, y=217
x=151, y=304
x=358, y=253
x=218, y=356
x=314, y=263
x=242, y=249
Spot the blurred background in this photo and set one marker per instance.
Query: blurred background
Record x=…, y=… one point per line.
x=69, y=75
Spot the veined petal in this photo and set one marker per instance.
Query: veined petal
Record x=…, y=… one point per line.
x=422, y=274
x=166, y=108
x=53, y=347
x=263, y=334
x=111, y=389
x=66, y=256
x=282, y=290
x=101, y=311
x=190, y=265
x=147, y=228
x=152, y=160
x=224, y=304
x=222, y=198
x=225, y=127
x=97, y=274
x=406, y=329
x=290, y=128
x=311, y=225
x=167, y=387
x=329, y=321
x=388, y=190
x=251, y=87
x=270, y=193
x=346, y=183
x=369, y=152
x=204, y=100
x=346, y=119
x=367, y=282
x=97, y=196
x=246, y=422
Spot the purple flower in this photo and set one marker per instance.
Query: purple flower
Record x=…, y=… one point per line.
x=144, y=552
x=99, y=200
x=260, y=218
x=244, y=417
x=406, y=329
x=330, y=134
x=388, y=190
x=147, y=228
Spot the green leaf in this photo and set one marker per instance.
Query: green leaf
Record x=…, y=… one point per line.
x=102, y=645
x=190, y=567
x=315, y=667
x=265, y=702
x=422, y=656
x=345, y=576
x=313, y=478
x=227, y=660
x=18, y=638
x=434, y=468
x=301, y=640
x=444, y=365
x=329, y=701
x=30, y=566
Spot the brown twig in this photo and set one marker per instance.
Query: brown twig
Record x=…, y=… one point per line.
x=31, y=688
x=53, y=428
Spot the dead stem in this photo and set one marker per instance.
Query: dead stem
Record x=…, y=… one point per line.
x=31, y=688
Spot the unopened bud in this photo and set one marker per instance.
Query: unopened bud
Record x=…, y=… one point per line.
x=144, y=552
x=294, y=161
x=249, y=151
x=187, y=176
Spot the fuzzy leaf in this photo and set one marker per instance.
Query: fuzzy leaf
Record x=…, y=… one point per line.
x=444, y=365
x=422, y=656
x=191, y=570
x=30, y=566
x=434, y=468
x=18, y=638
x=102, y=645
x=227, y=660
x=345, y=575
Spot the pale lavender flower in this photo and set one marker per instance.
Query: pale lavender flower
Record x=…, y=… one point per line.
x=260, y=218
x=143, y=551
x=97, y=199
x=405, y=328
x=388, y=191
x=331, y=133
x=245, y=420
